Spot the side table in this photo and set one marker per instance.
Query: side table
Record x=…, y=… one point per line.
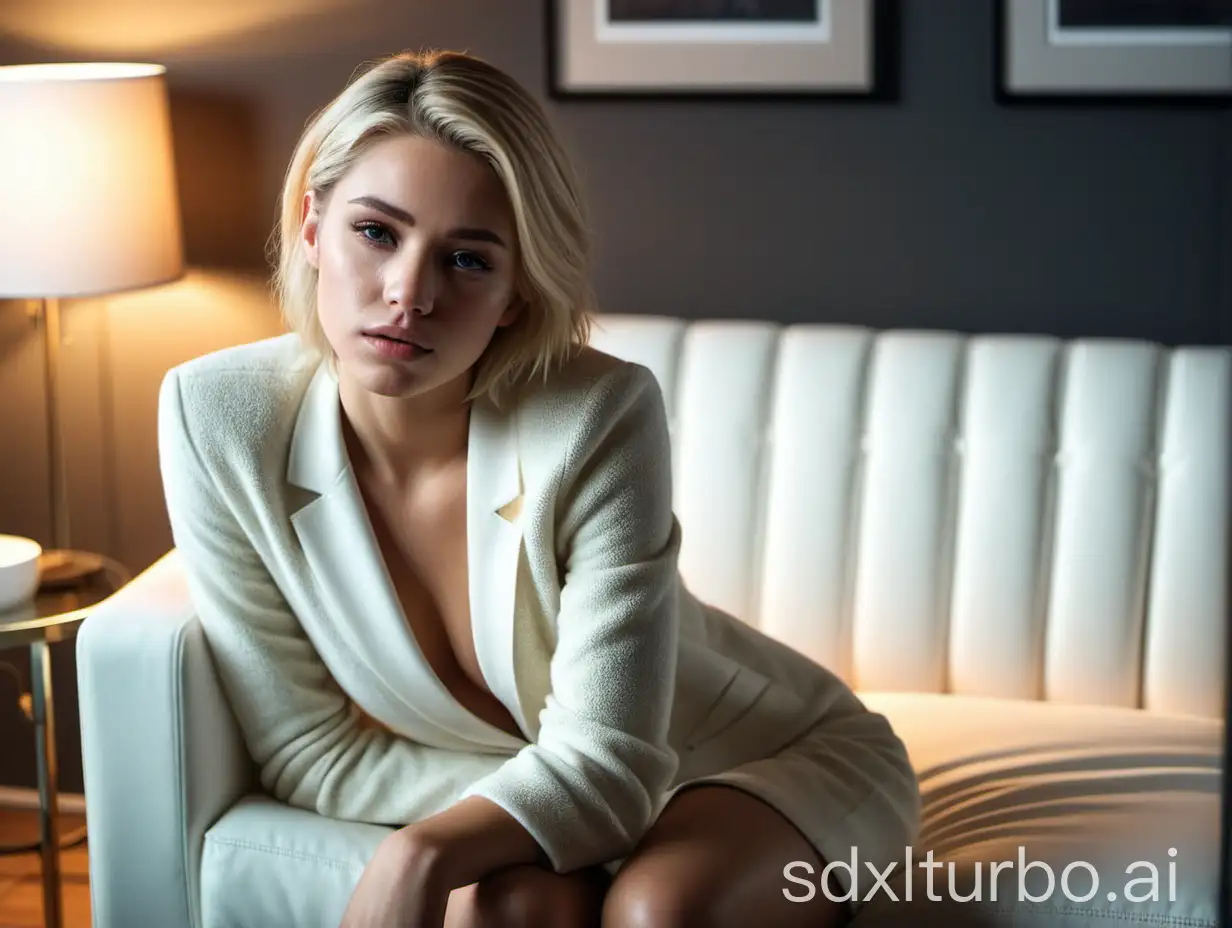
x=54, y=614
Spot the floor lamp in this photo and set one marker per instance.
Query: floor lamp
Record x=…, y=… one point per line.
x=1225, y=816
x=1225, y=806
x=88, y=206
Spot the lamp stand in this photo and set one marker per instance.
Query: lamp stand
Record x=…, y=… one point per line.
x=60, y=566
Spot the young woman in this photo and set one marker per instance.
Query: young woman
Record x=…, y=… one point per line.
x=430, y=536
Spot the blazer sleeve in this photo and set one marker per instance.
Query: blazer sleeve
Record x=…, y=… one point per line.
x=590, y=786
x=303, y=732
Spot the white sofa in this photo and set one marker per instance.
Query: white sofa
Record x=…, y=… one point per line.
x=1015, y=547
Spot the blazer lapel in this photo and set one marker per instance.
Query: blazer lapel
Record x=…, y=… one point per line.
x=494, y=494
x=347, y=565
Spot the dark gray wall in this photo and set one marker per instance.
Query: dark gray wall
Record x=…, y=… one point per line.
x=943, y=210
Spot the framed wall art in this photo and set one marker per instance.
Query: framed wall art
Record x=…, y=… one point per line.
x=1127, y=50
x=723, y=48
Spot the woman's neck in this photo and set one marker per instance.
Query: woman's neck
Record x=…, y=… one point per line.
x=393, y=439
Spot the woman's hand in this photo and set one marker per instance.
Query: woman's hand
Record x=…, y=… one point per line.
x=408, y=881
x=403, y=886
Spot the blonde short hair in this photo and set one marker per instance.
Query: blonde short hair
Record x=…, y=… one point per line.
x=472, y=106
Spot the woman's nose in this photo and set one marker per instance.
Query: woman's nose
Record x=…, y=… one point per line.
x=411, y=284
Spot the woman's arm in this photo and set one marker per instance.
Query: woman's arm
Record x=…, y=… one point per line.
x=304, y=733
x=588, y=789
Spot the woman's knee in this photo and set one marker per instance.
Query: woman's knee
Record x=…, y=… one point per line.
x=532, y=897
x=648, y=897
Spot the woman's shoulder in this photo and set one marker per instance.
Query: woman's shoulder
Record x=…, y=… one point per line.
x=586, y=397
x=260, y=371
x=245, y=395
x=282, y=355
x=590, y=377
x=585, y=392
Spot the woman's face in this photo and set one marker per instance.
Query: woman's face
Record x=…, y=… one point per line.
x=416, y=260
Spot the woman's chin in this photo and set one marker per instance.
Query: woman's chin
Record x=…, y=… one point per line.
x=397, y=381
x=397, y=384
x=383, y=379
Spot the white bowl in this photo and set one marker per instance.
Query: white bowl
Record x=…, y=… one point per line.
x=19, y=570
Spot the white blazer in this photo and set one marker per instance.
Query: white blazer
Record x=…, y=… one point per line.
x=623, y=684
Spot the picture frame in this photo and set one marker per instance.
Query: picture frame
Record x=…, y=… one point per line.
x=840, y=50
x=1113, y=51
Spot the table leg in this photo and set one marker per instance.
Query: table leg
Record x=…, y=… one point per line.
x=48, y=780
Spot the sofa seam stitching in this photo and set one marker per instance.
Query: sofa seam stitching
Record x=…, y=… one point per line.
x=282, y=852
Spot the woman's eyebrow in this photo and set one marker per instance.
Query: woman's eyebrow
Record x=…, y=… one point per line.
x=395, y=212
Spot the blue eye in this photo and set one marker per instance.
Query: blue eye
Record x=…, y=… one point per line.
x=478, y=265
x=365, y=227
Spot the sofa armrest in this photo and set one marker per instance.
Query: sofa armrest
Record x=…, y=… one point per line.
x=162, y=755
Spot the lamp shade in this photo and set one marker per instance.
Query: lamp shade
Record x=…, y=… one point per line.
x=88, y=201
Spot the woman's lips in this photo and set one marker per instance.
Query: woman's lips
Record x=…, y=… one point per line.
x=394, y=348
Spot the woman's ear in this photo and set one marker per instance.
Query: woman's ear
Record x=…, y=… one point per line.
x=310, y=220
x=516, y=307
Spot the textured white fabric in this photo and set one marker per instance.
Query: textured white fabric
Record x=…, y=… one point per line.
x=641, y=686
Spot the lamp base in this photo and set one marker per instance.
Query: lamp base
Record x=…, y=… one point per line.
x=62, y=568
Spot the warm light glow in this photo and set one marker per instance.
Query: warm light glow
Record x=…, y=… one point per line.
x=201, y=312
x=88, y=199
x=79, y=71
x=166, y=28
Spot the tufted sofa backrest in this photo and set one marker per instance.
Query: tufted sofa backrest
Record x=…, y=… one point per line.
x=1002, y=515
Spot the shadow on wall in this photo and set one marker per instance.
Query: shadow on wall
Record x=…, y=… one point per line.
x=218, y=168
x=15, y=323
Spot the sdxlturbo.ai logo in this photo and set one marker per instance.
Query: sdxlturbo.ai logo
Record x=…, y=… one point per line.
x=1078, y=881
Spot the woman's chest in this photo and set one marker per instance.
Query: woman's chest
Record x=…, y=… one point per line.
x=421, y=533
x=423, y=542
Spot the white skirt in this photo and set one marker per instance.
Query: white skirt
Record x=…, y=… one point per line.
x=847, y=786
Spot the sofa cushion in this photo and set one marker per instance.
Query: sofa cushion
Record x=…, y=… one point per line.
x=1086, y=787
x=270, y=865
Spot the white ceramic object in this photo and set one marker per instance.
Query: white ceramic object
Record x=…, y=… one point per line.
x=19, y=570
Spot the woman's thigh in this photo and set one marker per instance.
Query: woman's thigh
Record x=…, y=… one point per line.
x=715, y=857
